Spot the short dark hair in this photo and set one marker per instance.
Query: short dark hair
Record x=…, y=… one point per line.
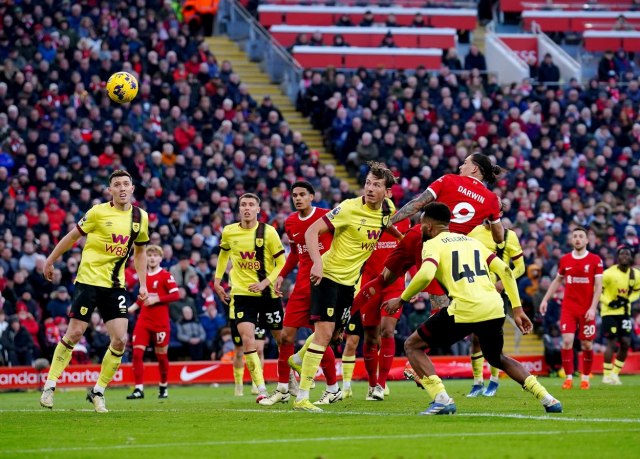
x=580, y=228
x=379, y=171
x=438, y=212
x=303, y=184
x=249, y=196
x=119, y=173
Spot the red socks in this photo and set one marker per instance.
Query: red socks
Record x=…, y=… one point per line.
x=163, y=367
x=370, y=352
x=387, y=351
x=365, y=293
x=567, y=361
x=284, y=352
x=328, y=365
x=138, y=366
x=587, y=361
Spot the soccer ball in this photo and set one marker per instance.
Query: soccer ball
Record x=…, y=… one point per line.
x=122, y=87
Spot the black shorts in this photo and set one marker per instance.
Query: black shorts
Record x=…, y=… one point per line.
x=616, y=326
x=237, y=339
x=354, y=326
x=112, y=303
x=441, y=330
x=331, y=302
x=262, y=312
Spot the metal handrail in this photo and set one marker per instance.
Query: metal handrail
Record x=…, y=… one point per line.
x=383, y=3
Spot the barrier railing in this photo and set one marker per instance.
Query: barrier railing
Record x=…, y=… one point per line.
x=236, y=22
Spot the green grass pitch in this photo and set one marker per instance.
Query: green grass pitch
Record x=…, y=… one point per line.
x=204, y=422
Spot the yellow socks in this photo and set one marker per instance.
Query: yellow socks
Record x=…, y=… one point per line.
x=238, y=375
x=303, y=350
x=477, y=362
x=434, y=387
x=60, y=360
x=495, y=374
x=310, y=365
x=532, y=385
x=255, y=368
x=110, y=364
x=617, y=366
x=348, y=365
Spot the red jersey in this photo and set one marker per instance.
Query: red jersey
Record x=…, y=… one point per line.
x=386, y=244
x=164, y=285
x=579, y=279
x=295, y=227
x=469, y=201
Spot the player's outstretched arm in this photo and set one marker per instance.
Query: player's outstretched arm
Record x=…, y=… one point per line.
x=422, y=278
x=413, y=207
x=62, y=247
x=497, y=232
x=311, y=238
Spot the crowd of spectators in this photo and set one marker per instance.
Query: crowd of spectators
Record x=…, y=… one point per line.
x=194, y=139
x=570, y=153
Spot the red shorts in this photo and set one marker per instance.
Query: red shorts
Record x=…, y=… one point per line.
x=572, y=321
x=298, y=311
x=144, y=333
x=371, y=312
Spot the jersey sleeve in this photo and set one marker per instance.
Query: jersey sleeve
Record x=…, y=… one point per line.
x=599, y=269
x=224, y=243
x=431, y=252
x=170, y=283
x=88, y=222
x=274, y=244
x=339, y=216
x=562, y=267
x=436, y=187
x=494, y=217
x=143, y=235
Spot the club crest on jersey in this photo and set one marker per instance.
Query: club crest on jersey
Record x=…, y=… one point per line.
x=240, y=315
x=136, y=227
x=330, y=312
x=385, y=220
x=84, y=310
x=259, y=242
x=352, y=327
x=237, y=339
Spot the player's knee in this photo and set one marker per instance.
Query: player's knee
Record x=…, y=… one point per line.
x=286, y=337
x=625, y=344
x=586, y=345
x=119, y=342
x=387, y=333
x=73, y=336
x=413, y=343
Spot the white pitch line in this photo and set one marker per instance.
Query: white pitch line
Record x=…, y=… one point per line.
x=547, y=417
x=311, y=439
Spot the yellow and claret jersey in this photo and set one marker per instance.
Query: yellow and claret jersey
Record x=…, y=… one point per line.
x=240, y=243
x=356, y=229
x=462, y=268
x=512, y=250
x=617, y=283
x=105, y=252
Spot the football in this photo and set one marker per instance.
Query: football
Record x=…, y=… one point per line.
x=122, y=87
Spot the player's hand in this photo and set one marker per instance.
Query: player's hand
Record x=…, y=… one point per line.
x=152, y=299
x=48, y=270
x=221, y=293
x=133, y=308
x=543, y=307
x=143, y=294
x=316, y=273
x=590, y=315
x=522, y=321
x=258, y=287
x=392, y=305
x=499, y=286
x=277, y=287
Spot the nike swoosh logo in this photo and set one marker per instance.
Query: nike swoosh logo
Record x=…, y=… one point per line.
x=295, y=234
x=186, y=375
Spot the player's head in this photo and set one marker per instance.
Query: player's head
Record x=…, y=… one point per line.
x=479, y=165
x=379, y=180
x=624, y=255
x=579, y=238
x=435, y=219
x=249, y=204
x=302, y=194
x=154, y=256
x=121, y=187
